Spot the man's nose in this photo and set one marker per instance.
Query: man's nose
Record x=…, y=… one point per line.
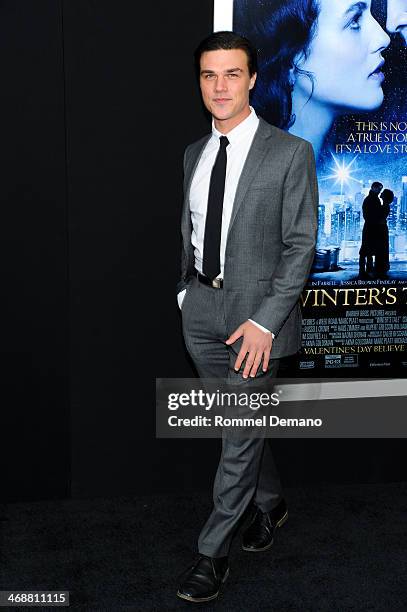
x=221, y=83
x=396, y=20
x=391, y=25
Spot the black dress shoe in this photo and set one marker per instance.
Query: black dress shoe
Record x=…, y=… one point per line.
x=260, y=533
x=204, y=579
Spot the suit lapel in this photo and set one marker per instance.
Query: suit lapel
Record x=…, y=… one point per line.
x=255, y=156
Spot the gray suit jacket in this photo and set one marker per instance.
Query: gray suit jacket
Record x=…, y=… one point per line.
x=271, y=238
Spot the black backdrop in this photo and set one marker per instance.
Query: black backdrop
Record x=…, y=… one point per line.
x=98, y=101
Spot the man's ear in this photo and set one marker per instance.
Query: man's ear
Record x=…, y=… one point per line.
x=253, y=80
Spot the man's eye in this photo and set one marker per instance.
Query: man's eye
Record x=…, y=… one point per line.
x=232, y=75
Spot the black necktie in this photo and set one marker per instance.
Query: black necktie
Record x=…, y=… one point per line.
x=213, y=224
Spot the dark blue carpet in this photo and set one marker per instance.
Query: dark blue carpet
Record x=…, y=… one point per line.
x=344, y=548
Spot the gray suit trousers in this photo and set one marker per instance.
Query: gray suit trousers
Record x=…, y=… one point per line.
x=246, y=469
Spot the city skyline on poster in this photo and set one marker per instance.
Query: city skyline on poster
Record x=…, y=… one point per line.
x=366, y=139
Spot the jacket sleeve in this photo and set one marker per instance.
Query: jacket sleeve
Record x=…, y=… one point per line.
x=298, y=231
x=185, y=248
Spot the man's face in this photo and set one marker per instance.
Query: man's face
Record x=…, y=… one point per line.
x=397, y=17
x=225, y=84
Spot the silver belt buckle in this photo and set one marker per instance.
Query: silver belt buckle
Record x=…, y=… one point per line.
x=217, y=283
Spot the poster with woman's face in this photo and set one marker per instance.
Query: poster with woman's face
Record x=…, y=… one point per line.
x=335, y=73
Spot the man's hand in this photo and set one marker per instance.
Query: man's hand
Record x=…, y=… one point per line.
x=255, y=342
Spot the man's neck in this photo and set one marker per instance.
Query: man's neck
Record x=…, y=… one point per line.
x=224, y=126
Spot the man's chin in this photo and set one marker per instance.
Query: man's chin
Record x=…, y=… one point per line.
x=402, y=32
x=221, y=116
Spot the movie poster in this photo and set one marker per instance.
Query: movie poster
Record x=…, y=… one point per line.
x=335, y=73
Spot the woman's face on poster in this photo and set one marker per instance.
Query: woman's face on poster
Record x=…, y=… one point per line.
x=345, y=57
x=397, y=17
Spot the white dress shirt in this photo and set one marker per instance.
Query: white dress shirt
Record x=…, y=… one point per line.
x=240, y=140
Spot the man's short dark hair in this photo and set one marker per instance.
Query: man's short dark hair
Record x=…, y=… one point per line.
x=227, y=40
x=377, y=185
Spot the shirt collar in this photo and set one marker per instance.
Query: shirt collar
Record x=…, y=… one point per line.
x=240, y=131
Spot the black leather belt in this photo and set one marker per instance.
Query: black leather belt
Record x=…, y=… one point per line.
x=216, y=283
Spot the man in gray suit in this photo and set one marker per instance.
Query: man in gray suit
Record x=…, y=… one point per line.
x=248, y=228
